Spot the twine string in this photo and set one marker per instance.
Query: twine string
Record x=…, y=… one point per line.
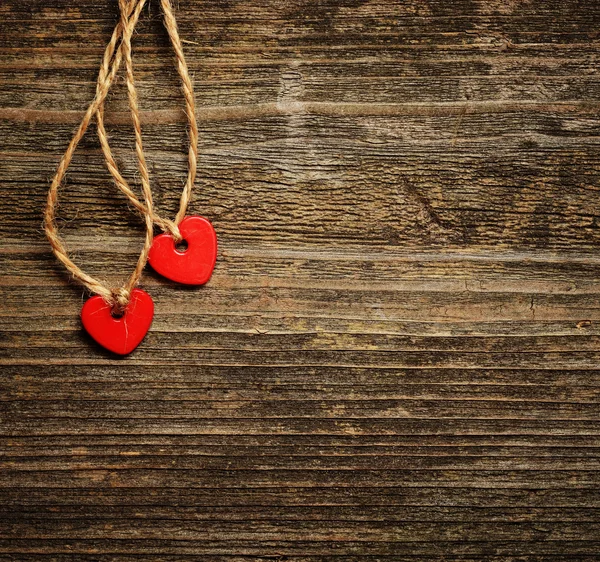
x=110, y=67
x=190, y=107
x=118, y=298
x=114, y=54
x=188, y=91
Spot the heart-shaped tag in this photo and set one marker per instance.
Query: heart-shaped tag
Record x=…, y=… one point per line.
x=195, y=264
x=119, y=335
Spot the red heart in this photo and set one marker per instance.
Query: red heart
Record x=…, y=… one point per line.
x=119, y=335
x=192, y=266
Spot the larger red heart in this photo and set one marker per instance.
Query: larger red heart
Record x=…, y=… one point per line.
x=195, y=264
x=123, y=334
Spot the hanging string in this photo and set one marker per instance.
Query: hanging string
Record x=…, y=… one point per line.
x=190, y=110
x=118, y=298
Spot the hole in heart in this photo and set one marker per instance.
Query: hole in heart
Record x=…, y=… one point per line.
x=117, y=314
x=182, y=246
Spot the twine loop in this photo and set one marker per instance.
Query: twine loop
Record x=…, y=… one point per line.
x=170, y=24
x=119, y=48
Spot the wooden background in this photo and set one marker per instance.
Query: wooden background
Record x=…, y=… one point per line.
x=397, y=356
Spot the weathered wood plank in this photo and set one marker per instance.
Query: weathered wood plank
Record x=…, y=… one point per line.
x=272, y=191
x=530, y=544
x=441, y=498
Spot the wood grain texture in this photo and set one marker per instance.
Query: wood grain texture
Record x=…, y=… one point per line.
x=397, y=356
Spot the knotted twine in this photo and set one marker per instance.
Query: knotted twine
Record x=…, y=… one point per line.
x=130, y=12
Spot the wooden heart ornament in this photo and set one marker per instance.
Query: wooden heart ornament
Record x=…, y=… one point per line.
x=119, y=335
x=195, y=264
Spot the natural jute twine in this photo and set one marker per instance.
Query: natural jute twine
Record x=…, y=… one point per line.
x=130, y=12
x=190, y=110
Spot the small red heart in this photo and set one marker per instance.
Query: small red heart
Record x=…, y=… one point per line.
x=192, y=266
x=119, y=335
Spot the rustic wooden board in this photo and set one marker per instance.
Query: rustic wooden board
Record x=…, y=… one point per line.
x=397, y=356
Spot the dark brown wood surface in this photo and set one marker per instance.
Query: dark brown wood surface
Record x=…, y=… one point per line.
x=397, y=356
